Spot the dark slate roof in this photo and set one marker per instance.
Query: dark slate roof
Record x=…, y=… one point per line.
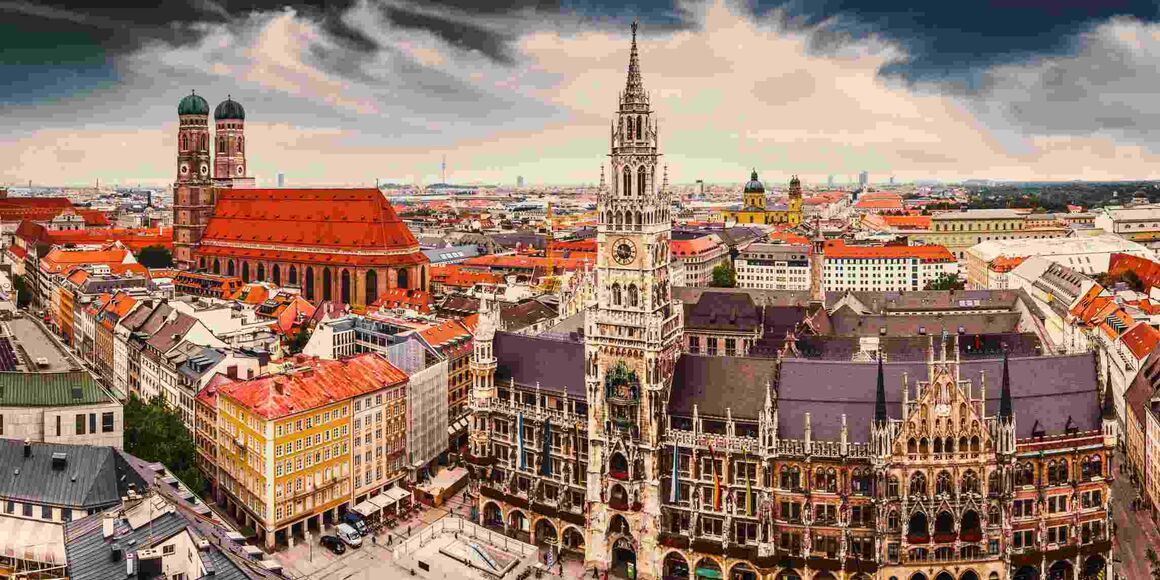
x=51, y=390
x=913, y=348
x=171, y=333
x=723, y=311
x=91, y=478
x=525, y=314
x=1048, y=390
x=849, y=323
x=555, y=365
x=717, y=383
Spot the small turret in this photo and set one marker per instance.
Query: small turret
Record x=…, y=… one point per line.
x=880, y=397
x=1005, y=406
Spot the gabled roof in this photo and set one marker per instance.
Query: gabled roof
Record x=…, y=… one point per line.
x=91, y=477
x=314, y=384
x=1141, y=339
x=723, y=311
x=554, y=365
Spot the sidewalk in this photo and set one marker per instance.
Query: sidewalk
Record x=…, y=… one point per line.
x=1135, y=530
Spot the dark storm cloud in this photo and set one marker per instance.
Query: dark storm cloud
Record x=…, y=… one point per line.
x=954, y=41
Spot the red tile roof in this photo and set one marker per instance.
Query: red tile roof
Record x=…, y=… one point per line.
x=443, y=333
x=58, y=260
x=910, y=222
x=17, y=252
x=787, y=237
x=1005, y=263
x=417, y=300
x=135, y=239
x=349, y=226
x=837, y=249
x=315, y=384
x=508, y=262
x=694, y=246
x=1147, y=270
x=879, y=204
x=1141, y=340
x=455, y=276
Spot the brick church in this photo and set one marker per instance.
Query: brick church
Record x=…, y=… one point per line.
x=342, y=245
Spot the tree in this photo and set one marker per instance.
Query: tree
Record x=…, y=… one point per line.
x=154, y=431
x=1129, y=277
x=155, y=257
x=1154, y=563
x=23, y=294
x=296, y=344
x=724, y=276
x=945, y=281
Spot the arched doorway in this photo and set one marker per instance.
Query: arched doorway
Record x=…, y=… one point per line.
x=1094, y=567
x=309, y=282
x=944, y=576
x=624, y=558
x=371, y=282
x=969, y=575
x=675, y=567
x=401, y=278
x=344, y=286
x=742, y=571
x=492, y=516
x=326, y=284
x=708, y=569
x=788, y=575
x=545, y=533
x=573, y=540
x=1027, y=573
x=518, y=524
x=1060, y=570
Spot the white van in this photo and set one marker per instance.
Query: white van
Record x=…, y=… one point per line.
x=348, y=534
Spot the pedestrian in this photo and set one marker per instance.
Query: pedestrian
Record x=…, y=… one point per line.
x=374, y=539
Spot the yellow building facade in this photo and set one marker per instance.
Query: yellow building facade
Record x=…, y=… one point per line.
x=755, y=209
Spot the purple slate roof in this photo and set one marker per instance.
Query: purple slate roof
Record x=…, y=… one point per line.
x=556, y=365
x=723, y=311
x=715, y=383
x=1048, y=390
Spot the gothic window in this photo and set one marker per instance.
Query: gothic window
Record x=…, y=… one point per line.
x=1097, y=468
x=944, y=523
x=1052, y=473
x=217, y=266
x=790, y=477
x=949, y=446
x=1063, y=471
x=628, y=129
x=975, y=445
x=993, y=483
x=326, y=284
x=918, y=484
x=633, y=296
x=912, y=446
x=892, y=520
x=184, y=142
x=309, y=282
x=245, y=271
x=970, y=482
x=963, y=444
x=627, y=182
x=221, y=145
x=943, y=483
x=401, y=280
x=938, y=447
x=638, y=127
x=261, y=276
x=372, y=286
x=1025, y=474
x=230, y=268
x=892, y=486
x=639, y=219
x=276, y=274
x=344, y=286
x=616, y=294
x=923, y=447
x=640, y=181
x=293, y=275
x=241, y=144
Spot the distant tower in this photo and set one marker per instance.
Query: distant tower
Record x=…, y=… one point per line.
x=520, y=181
x=229, y=142
x=443, y=170
x=830, y=181
x=795, y=202
x=864, y=178
x=817, y=262
x=281, y=180
x=193, y=192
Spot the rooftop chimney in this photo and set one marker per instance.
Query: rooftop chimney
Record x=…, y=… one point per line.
x=27, y=448
x=108, y=523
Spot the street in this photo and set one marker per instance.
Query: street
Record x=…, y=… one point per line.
x=1135, y=530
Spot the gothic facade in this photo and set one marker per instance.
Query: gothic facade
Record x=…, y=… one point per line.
x=624, y=453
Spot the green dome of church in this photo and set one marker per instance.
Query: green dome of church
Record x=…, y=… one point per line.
x=193, y=104
x=229, y=109
x=754, y=186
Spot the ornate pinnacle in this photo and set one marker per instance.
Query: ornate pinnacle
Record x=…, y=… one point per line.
x=634, y=89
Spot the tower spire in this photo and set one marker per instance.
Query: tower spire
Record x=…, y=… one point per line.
x=634, y=88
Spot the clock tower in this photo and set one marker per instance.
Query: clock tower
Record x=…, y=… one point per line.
x=632, y=342
x=193, y=193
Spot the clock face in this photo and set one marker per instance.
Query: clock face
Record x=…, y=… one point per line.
x=624, y=251
x=184, y=168
x=204, y=169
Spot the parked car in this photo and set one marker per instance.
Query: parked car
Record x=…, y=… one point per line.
x=356, y=521
x=333, y=544
x=349, y=535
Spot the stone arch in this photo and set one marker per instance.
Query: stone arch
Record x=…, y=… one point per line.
x=327, y=282
x=944, y=575
x=309, y=285
x=230, y=267
x=1026, y=573
x=276, y=274
x=517, y=520
x=402, y=279
x=217, y=266
x=710, y=565
x=371, y=286
x=618, y=496
x=742, y=571
x=261, y=272
x=619, y=525
x=623, y=552
x=674, y=566
x=572, y=539
x=344, y=286
x=1093, y=566
x=923, y=446
x=918, y=483
x=492, y=515
x=944, y=524
x=788, y=574
x=971, y=527
x=618, y=464
x=918, y=528
x=545, y=532
x=969, y=575
x=627, y=182
x=975, y=444
x=918, y=576
x=245, y=271
x=1062, y=569
x=824, y=575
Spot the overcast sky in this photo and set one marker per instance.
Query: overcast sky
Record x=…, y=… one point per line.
x=343, y=92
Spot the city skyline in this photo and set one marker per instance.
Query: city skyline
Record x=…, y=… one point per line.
x=345, y=95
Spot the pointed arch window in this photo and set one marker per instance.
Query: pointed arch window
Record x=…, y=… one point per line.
x=627, y=181
x=185, y=142
x=628, y=129
x=639, y=132
x=633, y=296
x=640, y=181
x=616, y=294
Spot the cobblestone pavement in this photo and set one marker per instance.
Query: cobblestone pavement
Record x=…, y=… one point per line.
x=1135, y=529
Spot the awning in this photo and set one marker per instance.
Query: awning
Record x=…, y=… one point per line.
x=708, y=573
x=397, y=494
x=457, y=426
x=381, y=502
x=367, y=508
x=32, y=540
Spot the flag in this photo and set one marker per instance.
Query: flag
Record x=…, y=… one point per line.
x=748, y=485
x=546, y=460
x=520, y=440
x=716, y=480
x=674, y=492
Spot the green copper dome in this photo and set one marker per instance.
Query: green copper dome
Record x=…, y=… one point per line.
x=229, y=109
x=754, y=186
x=192, y=104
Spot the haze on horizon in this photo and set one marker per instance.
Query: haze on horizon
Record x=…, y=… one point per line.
x=343, y=93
